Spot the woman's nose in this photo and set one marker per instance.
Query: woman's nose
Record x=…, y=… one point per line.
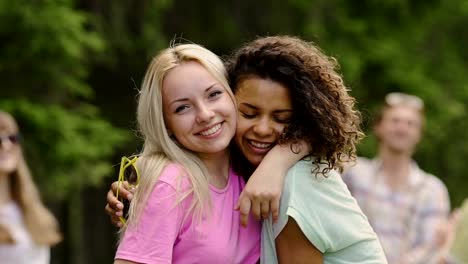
x=263, y=128
x=204, y=114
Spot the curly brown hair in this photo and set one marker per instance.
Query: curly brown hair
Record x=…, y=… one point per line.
x=323, y=111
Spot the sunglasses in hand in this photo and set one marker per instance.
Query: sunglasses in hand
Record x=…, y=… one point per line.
x=128, y=173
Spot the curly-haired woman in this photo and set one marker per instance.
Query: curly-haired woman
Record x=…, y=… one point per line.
x=288, y=90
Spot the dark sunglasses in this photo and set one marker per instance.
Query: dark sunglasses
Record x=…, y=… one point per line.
x=13, y=138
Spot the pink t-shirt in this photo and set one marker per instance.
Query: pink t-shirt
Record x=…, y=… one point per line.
x=165, y=235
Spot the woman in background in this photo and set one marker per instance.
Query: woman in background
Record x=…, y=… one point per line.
x=27, y=228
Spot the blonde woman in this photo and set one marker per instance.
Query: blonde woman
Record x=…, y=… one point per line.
x=27, y=228
x=182, y=211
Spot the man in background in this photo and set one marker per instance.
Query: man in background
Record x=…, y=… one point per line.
x=405, y=205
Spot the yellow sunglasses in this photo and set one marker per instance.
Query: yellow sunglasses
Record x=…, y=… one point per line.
x=128, y=173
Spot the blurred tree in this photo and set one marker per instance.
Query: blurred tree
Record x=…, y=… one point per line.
x=45, y=53
x=416, y=47
x=132, y=31
x=43, y=67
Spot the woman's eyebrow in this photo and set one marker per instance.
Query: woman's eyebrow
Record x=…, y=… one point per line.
x=178, y=100
x=279, y=111
x=283, y=111
x=210, y=87
x=249, y=105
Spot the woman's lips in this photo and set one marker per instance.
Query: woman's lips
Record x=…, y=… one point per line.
x=212, y=131
x=259, y=147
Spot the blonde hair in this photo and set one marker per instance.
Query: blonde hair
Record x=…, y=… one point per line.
x=159, y=148
x=39, y=221
x=396, y=99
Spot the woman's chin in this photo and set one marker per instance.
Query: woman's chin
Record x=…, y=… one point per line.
x=255, y=160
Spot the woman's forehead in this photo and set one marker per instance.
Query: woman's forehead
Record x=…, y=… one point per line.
x=264, y=91
x=7, y=123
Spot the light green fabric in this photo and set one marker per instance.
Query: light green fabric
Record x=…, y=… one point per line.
x=328, y=216
x=459, y=249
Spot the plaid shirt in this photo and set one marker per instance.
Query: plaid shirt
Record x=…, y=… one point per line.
x=406, y=220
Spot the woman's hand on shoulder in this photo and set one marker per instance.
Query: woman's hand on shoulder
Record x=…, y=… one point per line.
x=261, y=195
x=262, y=192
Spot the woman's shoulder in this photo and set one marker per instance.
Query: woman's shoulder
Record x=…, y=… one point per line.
x=310, y=181
x=175, y=175
x=325, y=210
x=308, y=168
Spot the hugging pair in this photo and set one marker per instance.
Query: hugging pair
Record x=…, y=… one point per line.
x=293, y=125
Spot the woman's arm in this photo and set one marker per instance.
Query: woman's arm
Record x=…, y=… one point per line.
x=292, y=246
x=121, y=261
x=262, y=192
x=153, y=235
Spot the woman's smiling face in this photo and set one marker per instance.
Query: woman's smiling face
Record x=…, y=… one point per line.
x=264, y=108
x=198, y=110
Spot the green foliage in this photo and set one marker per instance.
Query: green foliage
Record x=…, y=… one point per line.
x=44, y=68
x=416, y=47
x=65, y=149
x=48, y=42
x=131, y=29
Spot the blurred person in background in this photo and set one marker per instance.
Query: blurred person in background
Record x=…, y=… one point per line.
x=27, y=228
x=405, y=205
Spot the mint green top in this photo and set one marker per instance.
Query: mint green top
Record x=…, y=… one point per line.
x=328, y=216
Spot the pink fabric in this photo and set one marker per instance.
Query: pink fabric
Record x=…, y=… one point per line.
x=164, y=235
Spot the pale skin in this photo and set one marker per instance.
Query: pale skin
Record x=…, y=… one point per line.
x=199, y=113
x=194, y=103
x=260, y=120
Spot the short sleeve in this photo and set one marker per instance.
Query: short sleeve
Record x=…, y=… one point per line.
x=152, y=239
x=327, y=215
x=325, y=210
